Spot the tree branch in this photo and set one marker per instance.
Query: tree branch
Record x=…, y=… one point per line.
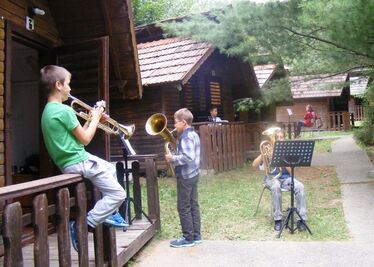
x=327, y=42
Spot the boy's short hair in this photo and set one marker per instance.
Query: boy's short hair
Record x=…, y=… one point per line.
x=184, y=114
x=213, y=107
x=51, y=74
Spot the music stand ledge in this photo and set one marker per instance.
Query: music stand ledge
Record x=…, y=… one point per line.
x=292, y=154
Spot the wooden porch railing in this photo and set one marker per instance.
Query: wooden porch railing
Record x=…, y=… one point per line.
x=50, y=221
x=359, y=113
x=338, y=121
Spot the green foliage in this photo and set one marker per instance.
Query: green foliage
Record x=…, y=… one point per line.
x=311, y=36
x=366, y=133
x=276, y=91
x=150, y=11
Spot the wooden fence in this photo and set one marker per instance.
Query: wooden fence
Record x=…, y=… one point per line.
x=49, y=223
x=222, y=146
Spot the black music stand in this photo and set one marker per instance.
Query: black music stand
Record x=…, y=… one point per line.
x=292, y=154
x=123, y=171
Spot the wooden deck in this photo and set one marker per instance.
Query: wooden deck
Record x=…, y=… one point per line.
x=128, y=243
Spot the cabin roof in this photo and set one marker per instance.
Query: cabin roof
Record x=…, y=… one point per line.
x=358, y=84
x=171, y=60
x=264, y=73
x=105, y=18
x=316, y=86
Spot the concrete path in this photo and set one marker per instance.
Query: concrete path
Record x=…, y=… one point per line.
x=352, y=166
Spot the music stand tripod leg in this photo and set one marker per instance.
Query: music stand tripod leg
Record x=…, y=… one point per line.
x=302, y=220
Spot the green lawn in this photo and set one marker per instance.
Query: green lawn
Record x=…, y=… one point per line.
x=228, y=201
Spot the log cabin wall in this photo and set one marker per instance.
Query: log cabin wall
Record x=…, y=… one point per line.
x=13, y=14
x=157, y=99
x=16, y=12
x=2, y=68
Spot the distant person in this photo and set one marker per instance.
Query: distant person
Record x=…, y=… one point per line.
x=283, y=182
x=309, y=118
x=187, y=170
x=214, y=115
x=65, y=140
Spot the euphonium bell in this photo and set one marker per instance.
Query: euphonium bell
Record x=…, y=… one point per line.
x=110, y=126
x=157, y=125
x=266, y=149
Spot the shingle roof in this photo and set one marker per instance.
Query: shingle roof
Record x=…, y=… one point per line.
x=264, y=73
x=171, y=60
x=358, y=84
x=322, y=85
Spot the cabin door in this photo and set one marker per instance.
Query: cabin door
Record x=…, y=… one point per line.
x=88, y=63
x=20, y=119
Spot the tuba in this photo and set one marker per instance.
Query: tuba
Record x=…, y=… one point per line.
x=110, y=126
x=266, y=149
x=156, y=124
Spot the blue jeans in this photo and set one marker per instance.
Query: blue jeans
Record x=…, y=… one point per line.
x=298, y=128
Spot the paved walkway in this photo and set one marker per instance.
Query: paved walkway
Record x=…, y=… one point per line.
x=352, y=166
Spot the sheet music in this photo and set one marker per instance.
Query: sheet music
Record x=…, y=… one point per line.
x=126, y=143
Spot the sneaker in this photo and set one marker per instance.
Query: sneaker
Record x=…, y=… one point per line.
x=301, y=226
x=73, y=235
x=116, y=220
x=198, y=241
x=277, y=225
x=182, y=242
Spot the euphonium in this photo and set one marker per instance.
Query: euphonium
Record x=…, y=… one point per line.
x=266, y=149
x=157, y=124
x=110, y=126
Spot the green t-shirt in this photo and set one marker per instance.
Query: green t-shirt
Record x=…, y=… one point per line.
x=58, y=122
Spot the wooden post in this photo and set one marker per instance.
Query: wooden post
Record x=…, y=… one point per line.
x=63, y=214
x=12, y=235
x=40, y=221
x=81, y=224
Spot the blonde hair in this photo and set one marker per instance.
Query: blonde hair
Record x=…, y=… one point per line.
x=184, y=114
x=51, y=74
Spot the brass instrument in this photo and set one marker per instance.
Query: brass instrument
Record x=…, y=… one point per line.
x=156, y=124
x=110, y=126
x=266, y=149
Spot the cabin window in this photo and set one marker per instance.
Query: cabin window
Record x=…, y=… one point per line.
x=199, y=97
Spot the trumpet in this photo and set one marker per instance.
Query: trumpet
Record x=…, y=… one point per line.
x=156, y=124
x=110, y=126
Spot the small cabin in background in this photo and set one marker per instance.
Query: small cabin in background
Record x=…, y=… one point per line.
x=358, y=85
x=328, y=94
x=180, y=73
x=266, y=74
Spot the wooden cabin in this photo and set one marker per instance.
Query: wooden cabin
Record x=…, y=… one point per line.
x=266, y=74
x=180, y=73
x=95, y=41
x=328, y=94
x=358, y=85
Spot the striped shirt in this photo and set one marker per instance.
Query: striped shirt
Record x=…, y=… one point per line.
x=187, y=159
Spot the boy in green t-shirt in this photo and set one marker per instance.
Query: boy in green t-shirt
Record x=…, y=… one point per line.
x=65, y=139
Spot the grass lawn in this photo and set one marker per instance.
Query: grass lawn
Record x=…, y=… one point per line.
x=228, y=201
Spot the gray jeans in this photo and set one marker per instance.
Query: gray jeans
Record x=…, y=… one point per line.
x=188, y=207
x=103, y=175
x=276, y=186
